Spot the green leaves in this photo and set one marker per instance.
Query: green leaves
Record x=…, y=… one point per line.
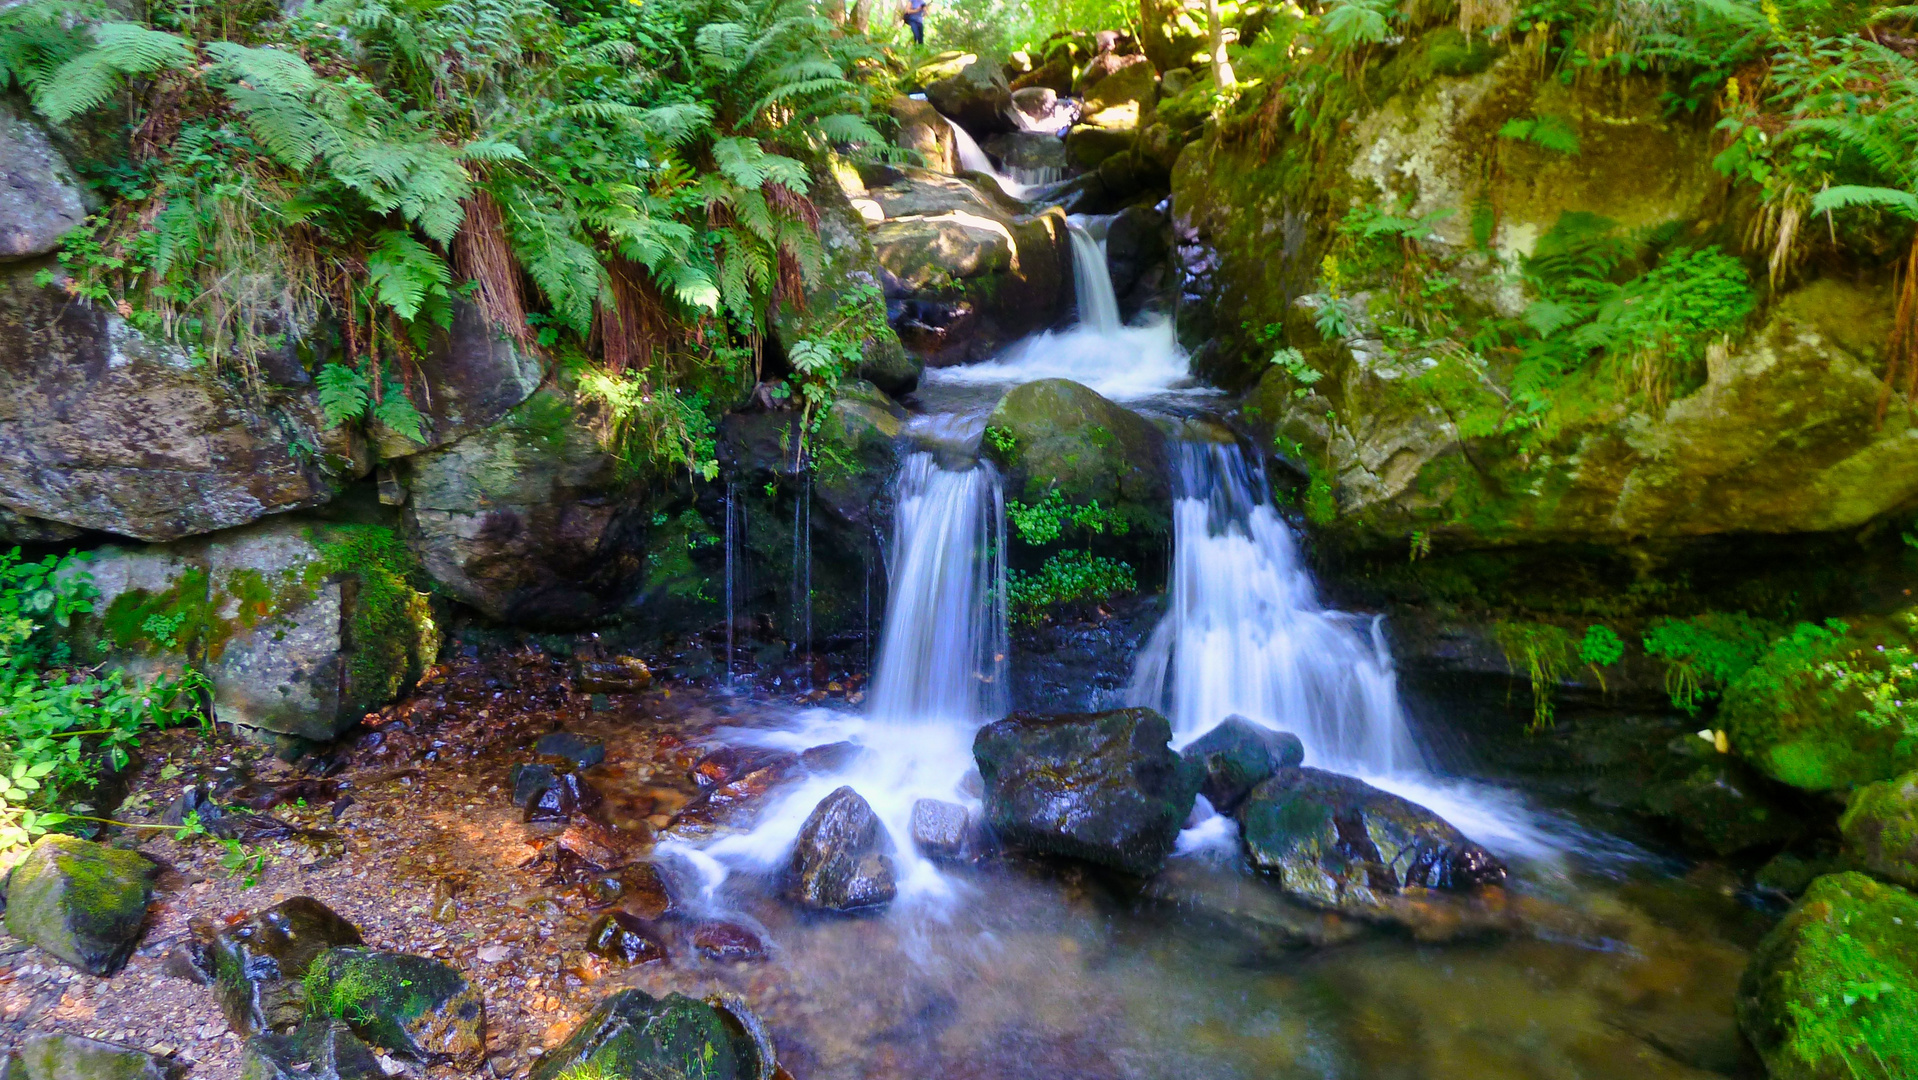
x=746, y=163
x=344, y=394
x=397, y=412
x=89, y=79
x=1552, y=133
x=408, y=277
x=1850, y=196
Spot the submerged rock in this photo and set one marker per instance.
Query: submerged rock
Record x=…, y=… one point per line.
x=565, y=795
x=260, y=963
x=414, y=1006
x=529, y=780
x=320, y=1049
x=626, y=938
x=1881, y=829
x=676, y=1037
x=728, y=943
x=619, y=675
x=940, y=829
x=1828, y=993
x=83, y=902
x=1103, y=787
x=1344, y=845
x=70, y=1057
x=1238, y=756
x=581, y=750
x=840, y=861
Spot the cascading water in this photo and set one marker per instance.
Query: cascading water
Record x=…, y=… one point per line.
x=1246, y=634
x=974, y=159
x=1092, y=283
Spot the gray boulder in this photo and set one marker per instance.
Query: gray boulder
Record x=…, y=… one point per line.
x=978, y=97
x=1238, y=756
x=839, y=861
x=940, y=830
x=1103, y=787
x=83, y=902
x=40, y=198
x=70, y=1057
x=478, y=375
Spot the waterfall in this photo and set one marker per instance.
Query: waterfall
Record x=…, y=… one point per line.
x=1092, y=282
x=973, y=159
x=1245, y=632
x=942, y=647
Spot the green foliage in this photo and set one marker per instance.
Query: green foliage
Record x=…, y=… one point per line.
x=344, y=394
x=1065, y=577
x=1006, y=441
x=1293, y=363
x=1045, y=521
x=242, y=864
x=654, y=428
x=62, y=722
x=1544, y=653
x=1321, y=500
x=1600, y=647
x=1850, y=992
x=1552, y=133
x=1706, y=653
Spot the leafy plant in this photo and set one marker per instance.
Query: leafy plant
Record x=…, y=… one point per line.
x=1544, y=653
x=1548, y=132
x=1705, y=653
x=1045, y=521
x=1067, y=576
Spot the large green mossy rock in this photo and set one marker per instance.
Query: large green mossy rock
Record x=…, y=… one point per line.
x=414, y=1006
x=70, y=1057
x=83, y=902
x=302, y=627
x=1832, y=991
x=260, y=963
x=1881, y=829
x=1058, y=435
x=1102, y=787
x=633, y=1034
x=1338, y=843
x=320, y=1049
x=1796, y=725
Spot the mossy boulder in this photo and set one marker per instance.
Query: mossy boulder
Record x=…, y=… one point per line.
x=1103, y=787
x=1239, y=755
x=1798, y=726
x=83, y=902
x=302, y=627
x=70, y=1057
x=632, y=1033
x=925, y=132
x=260, y=963
x=414, y=1006
x=319, y=1049
x=1830, y=992
x=977, y=96
x=1123, y=99
x=1881, y=829
x=1058, y=435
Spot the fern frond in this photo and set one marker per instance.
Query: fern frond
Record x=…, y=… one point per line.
x=89, y=79
x=405, y=274
x=1851, y=196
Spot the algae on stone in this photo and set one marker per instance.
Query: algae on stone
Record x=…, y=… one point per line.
x=83, y=902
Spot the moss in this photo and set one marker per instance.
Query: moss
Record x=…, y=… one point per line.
x=390, y=631
x=1832, y=992
x=1880, y=826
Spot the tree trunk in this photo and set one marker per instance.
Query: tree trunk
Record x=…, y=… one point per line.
x=861, y=15
x=1215, y=39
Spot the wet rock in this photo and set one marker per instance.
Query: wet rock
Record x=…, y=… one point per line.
x=732, y=806
x=83, y=902
x=560, y=800
x=1789, y=875
x=599, y=846
x=1103, y=787
x=832, y=757
x=940, y=829
x=1027, y=151
x=619, y=675
x=320, y=1049
x=1881, y=829
x=1716, y=800
x=730, y=763
x=633, y=1033
x=839, y=861
x=978, y=97
x=581, y=750
x=1248, y=909
x=1344, y=845
x=1238, y=756
x=728, y=943
x=626, y=938
x=1828, y=993
x=70, y=1057
x=259, y=963
x=40, y=198
x=924, y=131
x=414, y=1006
x=1058, y=435
x=529, y=780
x=645, y=892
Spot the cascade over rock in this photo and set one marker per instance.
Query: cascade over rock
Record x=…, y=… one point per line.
x=924, y=131
x=977, y=96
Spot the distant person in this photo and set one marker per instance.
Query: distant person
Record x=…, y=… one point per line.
x=913, y=14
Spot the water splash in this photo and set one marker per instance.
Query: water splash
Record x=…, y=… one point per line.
x=1130, y=363
x=974, y=159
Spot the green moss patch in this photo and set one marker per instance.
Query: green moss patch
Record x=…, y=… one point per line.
x=390, y=630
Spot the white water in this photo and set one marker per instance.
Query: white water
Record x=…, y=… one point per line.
x=973, y=159
x=1130, y=363
x=1092, y=282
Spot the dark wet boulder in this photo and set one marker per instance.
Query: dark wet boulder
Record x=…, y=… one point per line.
x=1828, y=994
x=940, y=830
x=730, y=763
x=582, y=750
x=732, y=805
x=617, y=675
x=728, y=943
x=1342, y=844
x=1238, y=756
x=625, y=938
x=645, y=892
x=1715, y=800
x=259, y=964
x=840, y=861
x=320, y=1049
x=414, y=1006
x=528, y=780
x=83, y=902
x=1103, y=787
x=70, y=1057
x=1881, y=829
x=676, y=1037
x=565, y=796
x=831, y=757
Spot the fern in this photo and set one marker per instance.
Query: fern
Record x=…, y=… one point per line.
x=408, y=277
x=343, y=394
x=1548, y=132
x=89, y=79
x=397, y=412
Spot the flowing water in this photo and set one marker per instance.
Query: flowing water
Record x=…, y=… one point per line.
x=1092, y=283
x=1616, y=969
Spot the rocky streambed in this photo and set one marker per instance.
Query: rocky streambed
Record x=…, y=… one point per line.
x=513, y=838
